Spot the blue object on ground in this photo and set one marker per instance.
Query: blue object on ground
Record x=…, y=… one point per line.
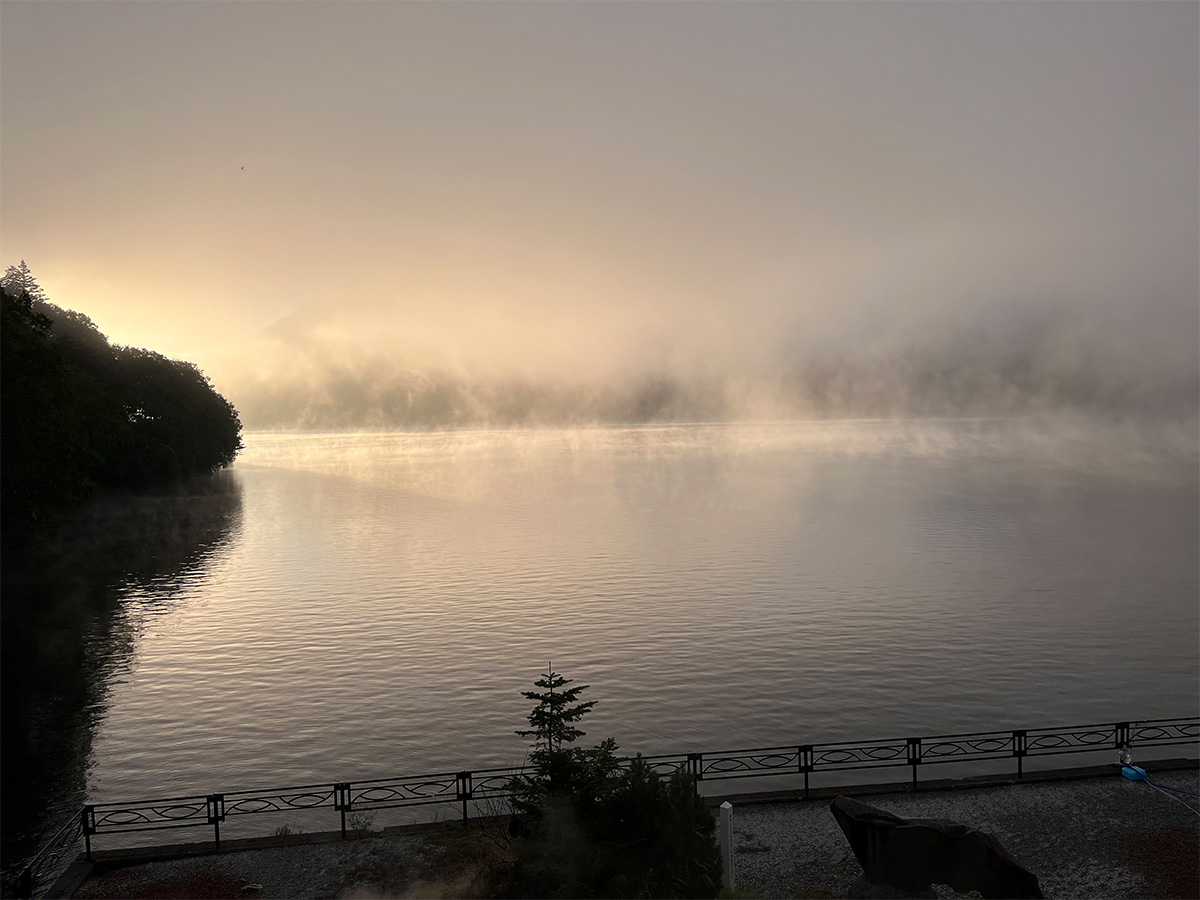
x=1133, y=773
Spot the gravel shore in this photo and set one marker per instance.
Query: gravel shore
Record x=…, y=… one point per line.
x=1099, y=838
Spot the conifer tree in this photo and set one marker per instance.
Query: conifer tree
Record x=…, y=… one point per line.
x=590, y=824
x=18, y=280
x=556, y=711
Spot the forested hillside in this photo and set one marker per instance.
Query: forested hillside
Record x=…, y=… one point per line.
x=80, y=413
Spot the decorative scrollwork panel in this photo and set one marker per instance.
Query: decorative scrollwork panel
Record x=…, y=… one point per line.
x=1070, y=740
x=1178, y=731
x=403, y=792
x=954, y=748
x=748, y=765
x=236, y=805
x=152, y=814
x=847, y=756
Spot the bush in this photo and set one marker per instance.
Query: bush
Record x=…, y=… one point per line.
x=594, y=825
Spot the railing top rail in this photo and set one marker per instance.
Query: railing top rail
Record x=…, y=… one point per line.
x=476, y=773
x=520, y=767
x=787, y=748
x=866, y=743
x=55, y=839
x=1164, y=725
x=435, y=776
x=319, y=786
x=1093, y=726
x=655, y=757
x=1140, y=723
x=106, y=804
x=792, y=748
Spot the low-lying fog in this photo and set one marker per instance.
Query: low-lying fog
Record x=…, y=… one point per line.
x=332, y=367
x=436, y=215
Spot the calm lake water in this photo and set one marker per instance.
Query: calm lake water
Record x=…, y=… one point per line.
x=341, y=606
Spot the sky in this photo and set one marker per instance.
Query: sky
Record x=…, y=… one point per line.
x=537, y=188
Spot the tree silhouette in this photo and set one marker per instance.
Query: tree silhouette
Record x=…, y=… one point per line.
x=553, y=717
x=18, y=280
x=80, y=413
x=56, y=434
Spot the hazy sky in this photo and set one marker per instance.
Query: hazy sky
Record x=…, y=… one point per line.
x=524, y=182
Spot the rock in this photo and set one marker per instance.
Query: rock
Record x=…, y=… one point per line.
x=913, y=854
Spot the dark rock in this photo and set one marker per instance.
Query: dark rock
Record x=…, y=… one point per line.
x=913, y=854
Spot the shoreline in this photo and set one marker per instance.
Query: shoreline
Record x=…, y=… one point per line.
x=783, y=815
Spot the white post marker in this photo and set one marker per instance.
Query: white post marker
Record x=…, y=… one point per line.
x=727, y=844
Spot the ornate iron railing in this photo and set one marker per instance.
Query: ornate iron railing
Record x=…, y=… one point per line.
x=346, y=797
x=50, y=856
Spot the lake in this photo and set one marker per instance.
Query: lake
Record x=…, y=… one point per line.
x=343, y=606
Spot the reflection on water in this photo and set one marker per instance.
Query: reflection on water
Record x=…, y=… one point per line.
x=71, y=627
x=380, y=599
x=388, y=595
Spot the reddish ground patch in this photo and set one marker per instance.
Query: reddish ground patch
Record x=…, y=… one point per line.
x=197, y=886
x=1169, y=860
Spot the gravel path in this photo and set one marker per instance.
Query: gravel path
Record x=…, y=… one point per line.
x=1100, y=838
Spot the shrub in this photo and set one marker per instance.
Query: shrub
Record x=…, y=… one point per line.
x=594, y=825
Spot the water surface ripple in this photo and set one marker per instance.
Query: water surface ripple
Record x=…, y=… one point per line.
x=385, y=597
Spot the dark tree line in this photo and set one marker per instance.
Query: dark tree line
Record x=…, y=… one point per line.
x=79, y=413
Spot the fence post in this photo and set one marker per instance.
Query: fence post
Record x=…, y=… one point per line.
x=914, y=756
x=1018, y=749
x=216, y=814
x=695, y=766
x=727, y=845
x=341, y=801
x=1121, y=739
x=87, y=821
x=464, y=791
x=804, y=757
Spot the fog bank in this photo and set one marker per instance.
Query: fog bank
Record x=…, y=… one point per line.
x=330, y=368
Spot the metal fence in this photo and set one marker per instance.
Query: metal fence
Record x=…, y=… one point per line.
x=807, y=760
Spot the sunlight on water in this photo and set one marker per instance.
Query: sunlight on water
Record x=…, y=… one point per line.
x=383, y=598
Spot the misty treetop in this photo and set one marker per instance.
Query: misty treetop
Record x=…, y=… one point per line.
x=80, y=413
x=18, y=280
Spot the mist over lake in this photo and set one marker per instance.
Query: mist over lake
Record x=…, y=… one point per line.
x=379, y=599
x=785, y=372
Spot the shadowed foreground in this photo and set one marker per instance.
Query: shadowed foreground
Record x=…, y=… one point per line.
x=1100, y=838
